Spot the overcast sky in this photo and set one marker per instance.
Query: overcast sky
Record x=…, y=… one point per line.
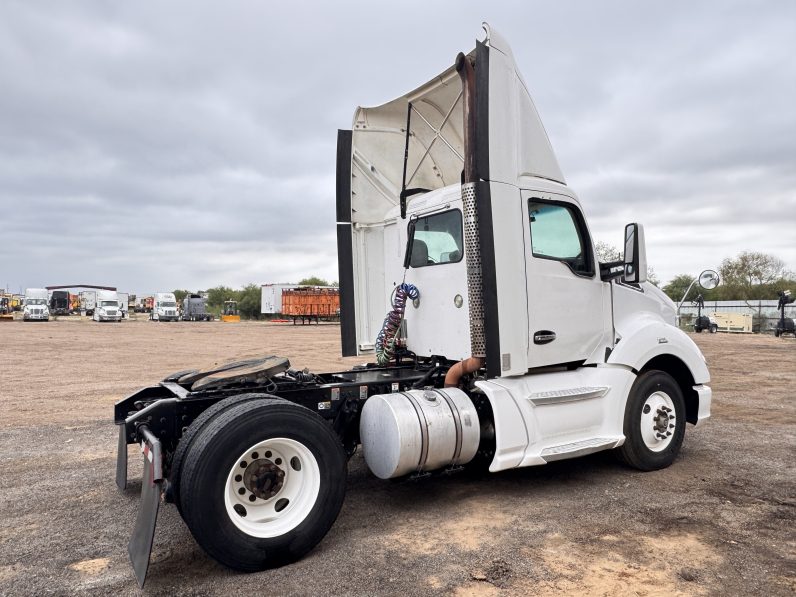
x=154, y=146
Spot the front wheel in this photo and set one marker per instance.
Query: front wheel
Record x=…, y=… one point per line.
x=714, y=328
x=262, y=483
x=654, y=422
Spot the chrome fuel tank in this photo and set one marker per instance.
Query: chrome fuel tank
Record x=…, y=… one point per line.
x=418, y=430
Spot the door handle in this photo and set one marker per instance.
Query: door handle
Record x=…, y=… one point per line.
x=544, y=337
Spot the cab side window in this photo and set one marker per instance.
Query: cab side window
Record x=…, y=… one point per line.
x=437, y=239
x=559, y=233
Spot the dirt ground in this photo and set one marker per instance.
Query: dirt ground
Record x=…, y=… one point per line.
x=720, y=521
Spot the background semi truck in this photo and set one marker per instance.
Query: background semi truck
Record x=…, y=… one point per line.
x=107, y=307
x=505, y=342
x=194, y=309
x=164, y=307
x=60, y=303
x=35, y=308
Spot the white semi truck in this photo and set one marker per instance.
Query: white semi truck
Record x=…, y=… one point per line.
x=107, y=306
x=35, y=308
x=506, y=343
x=165, y=307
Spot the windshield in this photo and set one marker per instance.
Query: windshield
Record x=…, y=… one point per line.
x=109, y=303
x=34, y=301
x=168, y=304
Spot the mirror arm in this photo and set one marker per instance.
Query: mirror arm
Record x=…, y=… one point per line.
x=605, y=270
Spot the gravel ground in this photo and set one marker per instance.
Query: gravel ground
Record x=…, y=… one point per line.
x=719, y=521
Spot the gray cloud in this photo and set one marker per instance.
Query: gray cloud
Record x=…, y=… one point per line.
x=190, y=144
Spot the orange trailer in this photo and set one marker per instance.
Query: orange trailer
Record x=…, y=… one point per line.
x=311, y=303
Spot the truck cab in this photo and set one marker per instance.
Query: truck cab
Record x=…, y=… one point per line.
x=107, y=306
x=479, y=219
x=164, y=307
x=35, y=307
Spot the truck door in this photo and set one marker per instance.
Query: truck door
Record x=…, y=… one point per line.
x=569, y=307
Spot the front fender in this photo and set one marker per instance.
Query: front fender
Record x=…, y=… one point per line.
x=643, y=338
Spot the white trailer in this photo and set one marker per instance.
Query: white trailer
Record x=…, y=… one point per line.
x=271, y=298
x=88, y=301
x=506, y=342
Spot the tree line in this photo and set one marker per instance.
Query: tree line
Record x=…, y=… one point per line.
x=750, y=275
x=248, y=297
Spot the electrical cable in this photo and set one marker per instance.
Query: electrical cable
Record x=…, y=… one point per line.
x=385, y=341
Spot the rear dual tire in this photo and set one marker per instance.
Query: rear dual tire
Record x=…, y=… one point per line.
x=247, y=523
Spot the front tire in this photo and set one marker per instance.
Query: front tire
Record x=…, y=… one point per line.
x=714, y=328
x=654, y=422
x=262, y=484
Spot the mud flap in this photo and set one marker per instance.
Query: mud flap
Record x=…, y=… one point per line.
x=121, y=458
x=140, y=546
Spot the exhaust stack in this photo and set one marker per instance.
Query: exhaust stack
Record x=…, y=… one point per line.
x=472, y=240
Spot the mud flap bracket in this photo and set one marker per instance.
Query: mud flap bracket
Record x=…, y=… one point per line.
x=121, y=458
x=140, y=546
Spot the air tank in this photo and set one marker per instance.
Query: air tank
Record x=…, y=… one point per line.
x=418, y=430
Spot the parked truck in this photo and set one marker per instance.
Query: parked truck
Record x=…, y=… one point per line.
x=193, y=309
x=144, y=304
x=59, y=302
x=35, y=308
x=506, y=343
x=164, y=307
x=107, y=307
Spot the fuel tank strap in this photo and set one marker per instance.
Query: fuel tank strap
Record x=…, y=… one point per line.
x=421, y=417
x=457, y=423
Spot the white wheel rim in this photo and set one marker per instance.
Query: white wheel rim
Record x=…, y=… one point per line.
x=658, y=421
x=287, y=506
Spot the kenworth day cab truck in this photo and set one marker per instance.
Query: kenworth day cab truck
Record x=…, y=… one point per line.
x=506, y=343
x=165, y=307
x=35, y=308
